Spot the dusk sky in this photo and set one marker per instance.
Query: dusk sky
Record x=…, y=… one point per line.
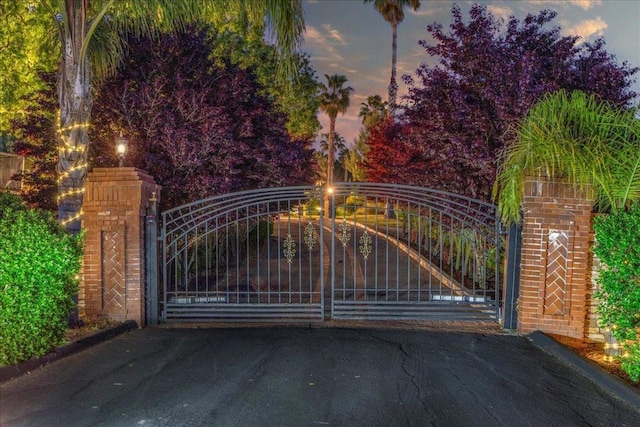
x=351, y=38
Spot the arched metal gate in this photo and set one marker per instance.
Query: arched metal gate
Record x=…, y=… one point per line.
x=358, y=251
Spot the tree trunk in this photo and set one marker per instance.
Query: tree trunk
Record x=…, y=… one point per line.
x=331, y=155
x=393, y=86
x=74, y=92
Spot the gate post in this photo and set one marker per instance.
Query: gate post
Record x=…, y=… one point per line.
x=512, y=276
x=555, y=257
x=151, y=260
x=114, y=210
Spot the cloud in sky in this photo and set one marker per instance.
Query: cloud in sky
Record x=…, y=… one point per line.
x=342, y=68
x=503, y=12
x=423, y=12
x=586, y=4
x=586, y=28
x=334, y=34
x=321, y=44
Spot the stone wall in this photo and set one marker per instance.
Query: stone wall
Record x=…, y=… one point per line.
x=593, y=332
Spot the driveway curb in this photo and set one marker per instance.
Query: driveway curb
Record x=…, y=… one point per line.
x=9, y=372
x=600, y=377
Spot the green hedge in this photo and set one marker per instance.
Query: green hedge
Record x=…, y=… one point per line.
x=39, y=263
x=618, y=247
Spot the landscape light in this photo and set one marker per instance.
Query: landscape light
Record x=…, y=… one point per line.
x=121, y=148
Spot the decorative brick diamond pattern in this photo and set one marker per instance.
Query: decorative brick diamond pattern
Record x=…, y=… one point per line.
x=556, y=277
x=113, y=272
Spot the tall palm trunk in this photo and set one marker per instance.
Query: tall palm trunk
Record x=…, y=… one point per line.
x=332, y=154
x=393, y=85
x=344, y=168
x=74, y=92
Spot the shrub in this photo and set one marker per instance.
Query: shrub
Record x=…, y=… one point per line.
x=10, y=203
x=39, y=263
x=618, y=247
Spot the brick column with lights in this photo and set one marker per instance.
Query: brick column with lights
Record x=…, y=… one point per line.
x=555, y=263
x=114, y=208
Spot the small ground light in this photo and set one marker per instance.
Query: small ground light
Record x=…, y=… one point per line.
x=121, y=149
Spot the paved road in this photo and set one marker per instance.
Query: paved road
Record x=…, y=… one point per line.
x=309, y=377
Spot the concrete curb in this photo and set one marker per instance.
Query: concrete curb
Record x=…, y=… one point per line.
x=600, y=377
x=9, y=372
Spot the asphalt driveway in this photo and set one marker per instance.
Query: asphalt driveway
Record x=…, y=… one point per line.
x=309, y=377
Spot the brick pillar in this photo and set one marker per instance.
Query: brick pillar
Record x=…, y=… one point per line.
x=114, y=205
x=554, y=272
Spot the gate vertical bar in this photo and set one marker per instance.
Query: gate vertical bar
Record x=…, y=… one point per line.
x=163, y=258
x=332, y=261
x=321, y=237
x=151, y=258
x=512, y=276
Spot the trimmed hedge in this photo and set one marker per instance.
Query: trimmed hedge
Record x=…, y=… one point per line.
x=39, y=263
x=618, y=247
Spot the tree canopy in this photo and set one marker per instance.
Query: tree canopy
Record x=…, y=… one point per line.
x=28, y=50
x=199, y=128
x=463, y=111
x=90, y=44
x=296, y=96
x=37, y=142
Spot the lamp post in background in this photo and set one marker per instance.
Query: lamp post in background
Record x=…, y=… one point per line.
x=121, y=148
x=331, y=201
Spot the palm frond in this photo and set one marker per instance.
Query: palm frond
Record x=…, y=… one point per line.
x=580, y=138
x=283, y=20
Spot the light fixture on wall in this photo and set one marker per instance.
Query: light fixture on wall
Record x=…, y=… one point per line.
x=121, y=148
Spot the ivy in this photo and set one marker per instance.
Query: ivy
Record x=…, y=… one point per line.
x=618, y=247
x=39, y=263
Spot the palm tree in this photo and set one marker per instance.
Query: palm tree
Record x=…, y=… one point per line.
x=343, y=158
x=580, y=138
x=340, y=147
x=334, y=99
x=338, y=142
x=373, y=111
x=92, y=44
x=393, y=12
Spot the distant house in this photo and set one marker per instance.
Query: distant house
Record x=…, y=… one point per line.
x=10, y=165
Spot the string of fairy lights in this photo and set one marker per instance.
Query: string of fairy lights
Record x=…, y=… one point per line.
x=69, y=148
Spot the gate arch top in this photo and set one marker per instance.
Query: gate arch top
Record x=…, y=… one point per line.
x=187, y=217
x=472, y=212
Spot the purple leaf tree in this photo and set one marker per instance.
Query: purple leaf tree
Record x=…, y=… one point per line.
x=463, y=110
x=199, y=128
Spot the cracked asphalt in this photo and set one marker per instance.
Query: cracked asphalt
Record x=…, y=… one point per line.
x=309, y=377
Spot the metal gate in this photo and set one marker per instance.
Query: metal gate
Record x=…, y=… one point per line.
x=355, y=251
